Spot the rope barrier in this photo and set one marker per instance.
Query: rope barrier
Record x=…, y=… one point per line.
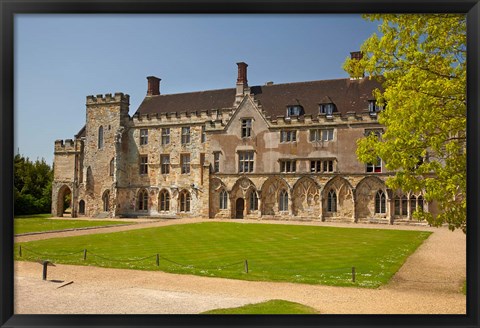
x=44, y=254
x=258, y=266
x=116, y=260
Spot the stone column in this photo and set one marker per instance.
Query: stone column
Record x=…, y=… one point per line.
x=354, y=200
x=245, y=210
x=259, y=204
x=391, y=204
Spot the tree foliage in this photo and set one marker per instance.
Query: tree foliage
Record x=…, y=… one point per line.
x=32, y=186
x=422, y=59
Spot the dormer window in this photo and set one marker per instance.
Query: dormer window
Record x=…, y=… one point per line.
x=294, y=110
x=373, y=107
x=328, y=109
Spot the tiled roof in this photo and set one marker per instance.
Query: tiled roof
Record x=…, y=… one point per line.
x=347, y=95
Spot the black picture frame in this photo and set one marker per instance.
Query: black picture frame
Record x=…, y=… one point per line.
x=11, y=7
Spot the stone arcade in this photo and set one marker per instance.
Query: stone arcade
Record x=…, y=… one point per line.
x=283, y=151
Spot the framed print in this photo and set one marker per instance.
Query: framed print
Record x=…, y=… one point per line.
x=244, y=163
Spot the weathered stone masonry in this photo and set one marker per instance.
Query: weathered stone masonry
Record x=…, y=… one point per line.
x=283, y=151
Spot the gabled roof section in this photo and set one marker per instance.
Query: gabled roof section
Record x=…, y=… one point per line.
x=348, y=96
x=188, y=102
x=81, y=133
x=326, y=100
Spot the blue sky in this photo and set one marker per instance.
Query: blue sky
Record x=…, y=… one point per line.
x=60, y=59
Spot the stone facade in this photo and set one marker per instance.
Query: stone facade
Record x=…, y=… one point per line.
x=232, y=153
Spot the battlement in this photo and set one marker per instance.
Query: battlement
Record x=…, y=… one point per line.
x=108, y=99
x=181, y=117
x=68, y=146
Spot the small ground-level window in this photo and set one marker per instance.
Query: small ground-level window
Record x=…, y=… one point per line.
x=420, y=203
x=142, y=203
x=332, y=201
x=413, y=204
x=253, y=201
x=184, y=201
x=283, y=201
x=164, y=201
x=223, y=200
x=400, y=205
x=380, y=202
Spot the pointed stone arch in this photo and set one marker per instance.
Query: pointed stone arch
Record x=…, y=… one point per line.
x=106, y=201
x=64, y=195
x=240, y=191
x=366, y=196
x=271, y=189
x=344, y=207
x=216, y=187
x=306, y=198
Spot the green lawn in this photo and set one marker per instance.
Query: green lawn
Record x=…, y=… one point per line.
x=303, y=254
x=41, y=222
x=269, y=307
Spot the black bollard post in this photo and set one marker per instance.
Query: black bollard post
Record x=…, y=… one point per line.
x=45, y=264
x=353, y=274
x=158, y=260
x=246, y=266
x=20, y=250
x=84, y=254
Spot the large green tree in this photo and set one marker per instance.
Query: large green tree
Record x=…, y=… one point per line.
x=32, y=186
x=422, y=62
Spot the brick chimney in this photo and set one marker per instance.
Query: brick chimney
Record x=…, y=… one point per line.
x=242, y=83
x=153, y=86
x=242, y=74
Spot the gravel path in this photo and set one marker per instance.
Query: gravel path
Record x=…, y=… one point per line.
x=428, y=283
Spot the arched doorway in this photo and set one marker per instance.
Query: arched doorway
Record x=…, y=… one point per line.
x=239, y=206
x=64, y=201
x=81, y=207
x=106, y=200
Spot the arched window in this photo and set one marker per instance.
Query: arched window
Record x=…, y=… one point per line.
x=100, y=137
x=89, y=179
x=413, y=204
x=164, y=201
x=106, y=200
x=380, y=200
x=283, y=201
x=397, y=205
x=223, y=200
x=253, y=201
x=332, y=201
x=420, y=203
x=112, y=167
x=142, y=200
x=184, y=201
x=404, y=205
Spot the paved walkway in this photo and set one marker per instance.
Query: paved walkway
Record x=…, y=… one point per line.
x=428, y=283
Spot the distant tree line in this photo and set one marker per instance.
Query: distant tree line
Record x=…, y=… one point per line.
x=32, y=186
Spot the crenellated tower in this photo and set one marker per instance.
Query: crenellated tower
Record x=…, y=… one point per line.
x=106, y=119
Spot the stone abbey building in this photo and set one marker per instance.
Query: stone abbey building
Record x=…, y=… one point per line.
x=283, y=151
